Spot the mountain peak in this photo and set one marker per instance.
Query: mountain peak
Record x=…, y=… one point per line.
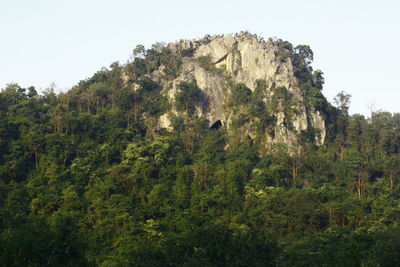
x=274, y=81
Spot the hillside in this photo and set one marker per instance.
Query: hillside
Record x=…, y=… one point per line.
x=220, y=151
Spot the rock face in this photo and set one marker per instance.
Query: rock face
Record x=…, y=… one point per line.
x=217, y=63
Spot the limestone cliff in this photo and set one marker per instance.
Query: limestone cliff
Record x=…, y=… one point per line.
x=219, y=63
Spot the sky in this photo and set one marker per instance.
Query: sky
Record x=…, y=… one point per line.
x=61, y=42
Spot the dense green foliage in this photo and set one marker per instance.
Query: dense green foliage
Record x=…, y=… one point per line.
x=86, y=179
x=188, y=97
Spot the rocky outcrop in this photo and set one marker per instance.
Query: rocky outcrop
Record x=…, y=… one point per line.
x=245, y=59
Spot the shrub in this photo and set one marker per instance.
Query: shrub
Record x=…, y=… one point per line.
x=241, y=94
x=206, y=62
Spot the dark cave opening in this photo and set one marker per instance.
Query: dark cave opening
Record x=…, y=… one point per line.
x=216, y=125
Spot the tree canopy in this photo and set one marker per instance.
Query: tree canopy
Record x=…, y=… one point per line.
x=88, y=179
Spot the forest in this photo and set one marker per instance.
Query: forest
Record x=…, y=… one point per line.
x=87, y=179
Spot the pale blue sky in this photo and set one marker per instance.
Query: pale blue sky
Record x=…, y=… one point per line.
x=356, y=43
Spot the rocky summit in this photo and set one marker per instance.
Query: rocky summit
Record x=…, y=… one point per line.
x=262, y=89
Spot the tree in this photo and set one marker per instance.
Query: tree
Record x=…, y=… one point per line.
x=318, y=79
x=188, y=97
x=139, y=51
x=342, y=101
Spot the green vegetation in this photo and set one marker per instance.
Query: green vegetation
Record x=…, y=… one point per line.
x=206, y=63
x=241, y=94
x=188, y=97
x=88, y=179
x=253, y=110
x=147, y=61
